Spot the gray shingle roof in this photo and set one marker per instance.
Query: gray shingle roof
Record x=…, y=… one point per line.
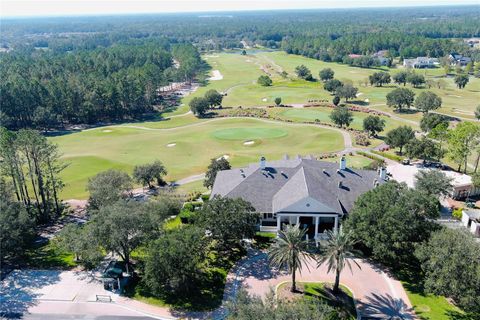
x=286, y=182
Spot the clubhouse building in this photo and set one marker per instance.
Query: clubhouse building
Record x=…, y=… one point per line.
x=314, y=194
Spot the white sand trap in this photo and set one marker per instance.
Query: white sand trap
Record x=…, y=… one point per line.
x=264, y=99
x=106, y=130
x=216, y=75
x=225, y=156
x=249, y=142
x=367, y=100
x=452, y=95
x=212, y=56
x=359, y=94
x=248, y=60
x=173, y=144
x=353, y=72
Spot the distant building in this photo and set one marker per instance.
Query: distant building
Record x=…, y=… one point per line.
x=457, y=59
x=420, y=62
x=462, y=183
x=471, y=220
x=354, y=55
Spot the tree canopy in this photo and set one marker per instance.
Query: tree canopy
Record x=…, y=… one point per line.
x=212, y=170
x=427, y=101
x=450, y=260
x=400, y=98
x=391, y=219
x=264, y=80
x=341, y=116
x=373, y=125
x=399, y=137
x=326, y=74
x=107, y=187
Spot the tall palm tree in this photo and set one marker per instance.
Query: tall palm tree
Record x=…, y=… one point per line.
x=338, y=253
x=290, y=251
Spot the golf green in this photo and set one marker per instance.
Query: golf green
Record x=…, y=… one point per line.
x=249, y=133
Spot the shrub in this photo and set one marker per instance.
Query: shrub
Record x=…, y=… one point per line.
x=362, y=139
x=390, y=156
x=457, y=213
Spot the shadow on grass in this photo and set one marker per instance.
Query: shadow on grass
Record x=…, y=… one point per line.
x=341, y=301
x=47, y=255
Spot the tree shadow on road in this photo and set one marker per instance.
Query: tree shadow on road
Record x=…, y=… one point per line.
x=385, y=305
x=17, y=291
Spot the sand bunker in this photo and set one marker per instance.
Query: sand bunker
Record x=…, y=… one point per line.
x=173, y=144
x=249, y=142
x=359, y=94
x=211, y=56
x=367, y=100
x=225, y=156
x=453, y=95
x=216, y=75
x=106, y=130
x=264, y=99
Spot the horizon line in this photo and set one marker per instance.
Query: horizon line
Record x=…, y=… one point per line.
x=195, y=12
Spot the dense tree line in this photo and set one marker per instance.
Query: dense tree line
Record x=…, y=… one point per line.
x=47, y=89
x=31, y=163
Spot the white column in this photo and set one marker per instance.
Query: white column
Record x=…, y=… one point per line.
x=316, y=226
x=279, y=225
x=298, y=220
x=335, y=228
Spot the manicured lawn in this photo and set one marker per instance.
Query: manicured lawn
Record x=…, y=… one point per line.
x=431, y=307
x=323, y=114
x=249, y=133
x=92, y=151
x=196, y=186
x=241, y=72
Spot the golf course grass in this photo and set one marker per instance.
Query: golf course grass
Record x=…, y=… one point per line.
x=241, y=72
x=323, y=115
x=91, y=151
x=249, y=133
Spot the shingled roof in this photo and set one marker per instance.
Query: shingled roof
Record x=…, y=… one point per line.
x=285, y=182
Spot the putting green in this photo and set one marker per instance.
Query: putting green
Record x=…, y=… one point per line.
x=249, y=133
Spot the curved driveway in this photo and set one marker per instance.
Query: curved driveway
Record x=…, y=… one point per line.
x=377, y=294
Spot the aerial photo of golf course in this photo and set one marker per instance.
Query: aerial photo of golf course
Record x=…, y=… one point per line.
x=186, y=144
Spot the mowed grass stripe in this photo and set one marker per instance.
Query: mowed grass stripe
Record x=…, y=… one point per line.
x=123, y=148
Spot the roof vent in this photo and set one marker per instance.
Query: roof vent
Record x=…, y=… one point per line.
x=340, y=184
x=263, y=161
x=324, y=171
x=383, y=173
x=284, y=174
x=375, y=182
x=343, y=163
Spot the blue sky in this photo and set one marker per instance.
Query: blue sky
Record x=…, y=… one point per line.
x=10, y=8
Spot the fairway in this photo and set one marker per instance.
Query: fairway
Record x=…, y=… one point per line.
x=91, y=151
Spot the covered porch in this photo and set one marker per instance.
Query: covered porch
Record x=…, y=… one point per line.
x=316, y=224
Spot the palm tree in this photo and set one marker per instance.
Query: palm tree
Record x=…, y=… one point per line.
x=338, y=252
x=290, y=251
